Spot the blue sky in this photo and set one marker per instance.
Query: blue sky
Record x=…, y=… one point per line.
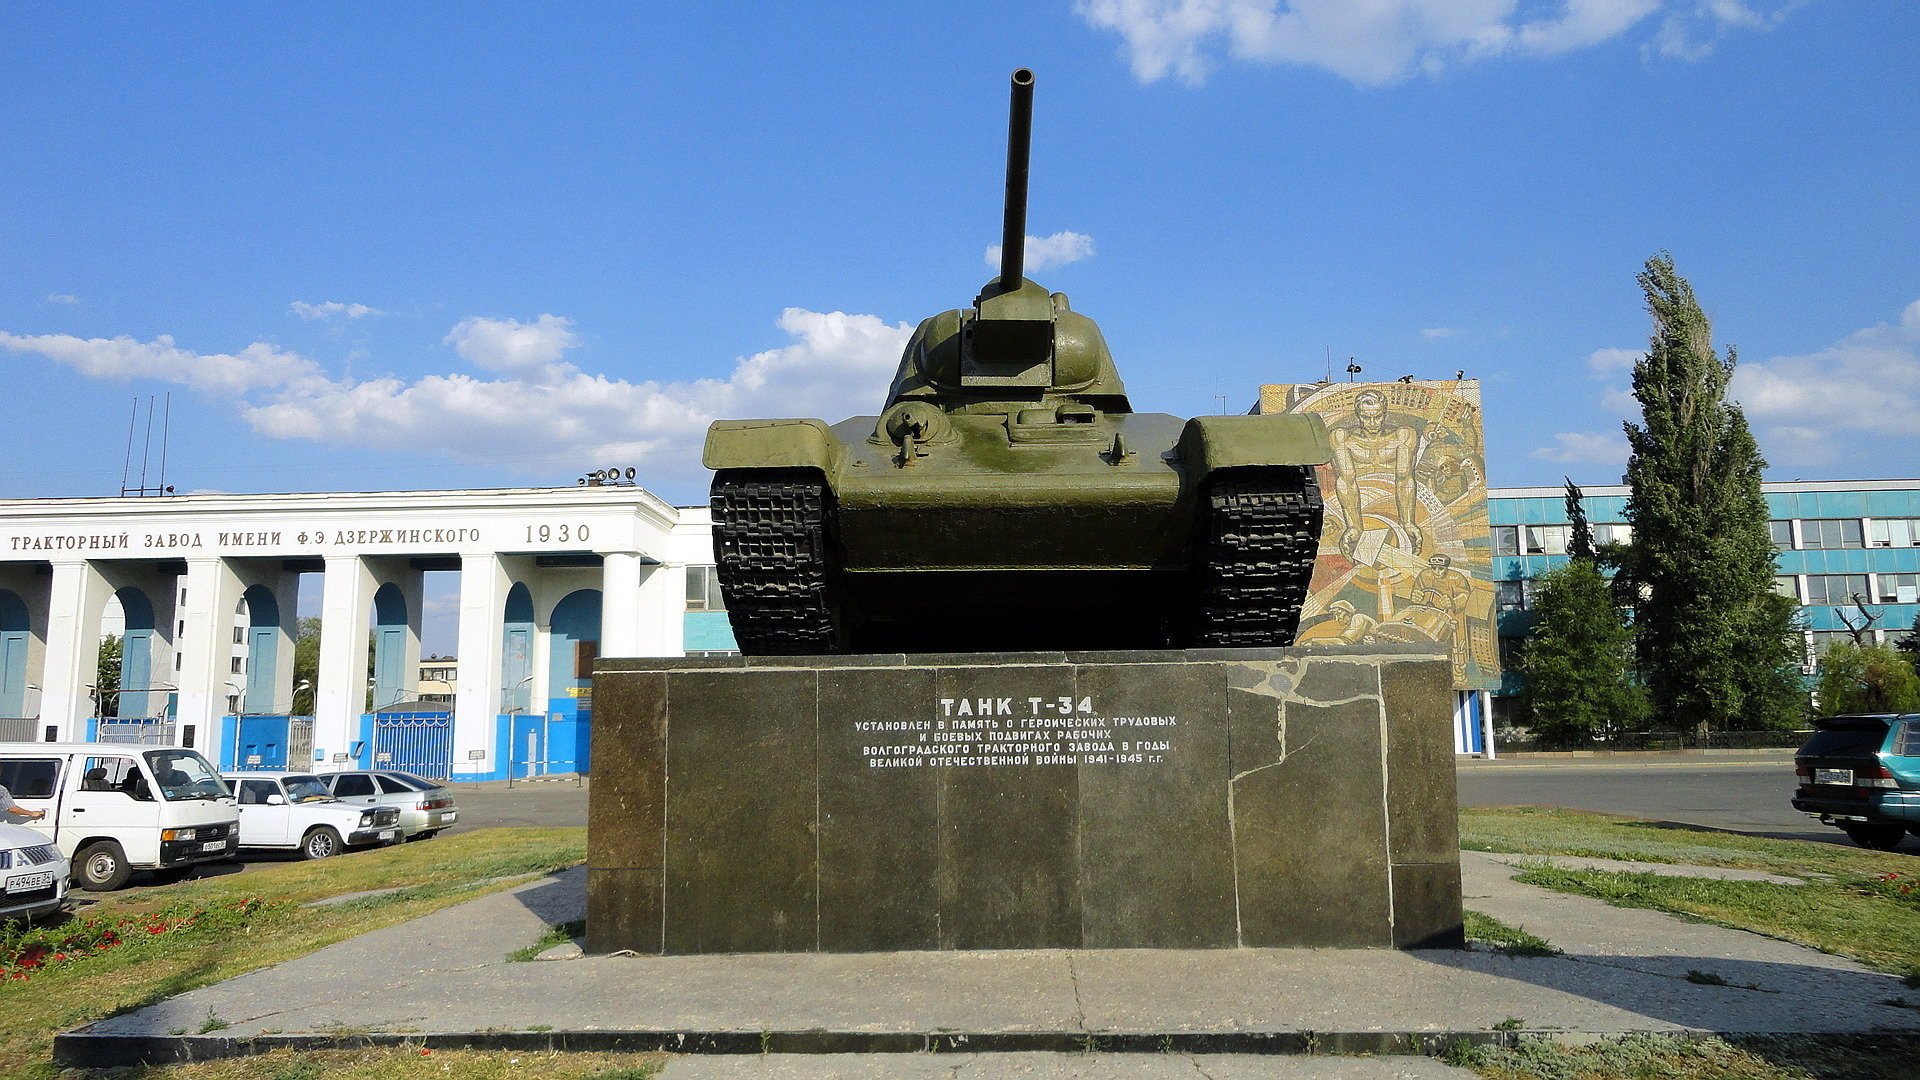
x=463, y=246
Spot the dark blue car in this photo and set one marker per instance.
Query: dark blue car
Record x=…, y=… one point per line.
x=1862, y=773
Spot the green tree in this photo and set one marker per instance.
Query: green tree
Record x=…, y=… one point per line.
x=306, y=665
x=1580, y=544
x=1578, y=662
x=1718, y=648
x=106, y=678
x=1867, y=679
x=1909, y=644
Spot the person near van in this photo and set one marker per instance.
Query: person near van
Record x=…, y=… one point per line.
x=9, y=806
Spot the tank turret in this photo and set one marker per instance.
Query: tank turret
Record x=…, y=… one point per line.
x=1008, y=496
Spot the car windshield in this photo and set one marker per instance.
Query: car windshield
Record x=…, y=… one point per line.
x=307, y=789
x=412, y=781
x=183, y=774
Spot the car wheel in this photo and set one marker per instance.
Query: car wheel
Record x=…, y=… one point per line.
x=101, y=866
x=1877, y=837
x=321, y=843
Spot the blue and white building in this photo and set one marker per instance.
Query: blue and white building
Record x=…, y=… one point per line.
x=1836, y=539
x=205, y=589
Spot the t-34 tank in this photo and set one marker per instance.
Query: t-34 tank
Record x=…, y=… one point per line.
x=1010, y=498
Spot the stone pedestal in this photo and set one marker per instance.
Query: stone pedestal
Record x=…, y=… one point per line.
x=1198, y=799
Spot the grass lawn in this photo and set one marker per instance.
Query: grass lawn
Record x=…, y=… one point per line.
x=216, y=928
x=1857, y=903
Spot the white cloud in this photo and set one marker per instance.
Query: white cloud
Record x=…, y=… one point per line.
x=1378, y=42
x=1691, y=32
x=1605, y=362
x=1433, y=333
x=538, y=411
x=259, y=366
x=332, y=309
x=1862, y=390
x=511, y=345
x=62, y=298
x=1586, y=447
x=1044, y=251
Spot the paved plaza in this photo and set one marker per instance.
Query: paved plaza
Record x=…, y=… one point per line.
x=446, y=980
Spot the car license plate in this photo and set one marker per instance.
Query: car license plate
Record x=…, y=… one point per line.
x=1833, y=776
x=213, y=845
x=29, y=882
x=449, y=816
x=388, y=834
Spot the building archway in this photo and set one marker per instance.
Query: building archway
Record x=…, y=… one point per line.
x=389, y=677
x=516, y=651
x=16, y=633
x=136, y=658
x=261, y=689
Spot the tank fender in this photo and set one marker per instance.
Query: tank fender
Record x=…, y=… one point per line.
x=1210, y=443
x=771, y=444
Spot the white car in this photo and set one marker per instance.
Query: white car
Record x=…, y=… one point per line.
x=35, y=874
x=296, y=812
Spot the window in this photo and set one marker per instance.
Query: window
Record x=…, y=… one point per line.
x=389, y=786
x=1547, y=539
x=1782, y=534
x=255, y=792
x=1907, y=743
x=1831, y=533
x=1506, y=540
x=703, y=590
x=1613, y=532
x=237, y=661
x=30, y=778
x=1894, y=532
x=1510, y=595
x=113, y=774
x=239, y=635
x=1835, y=588
x=1511, y=651
x=351, y=784
x=1899, y=588
x=1827, y=639
x=1788, y=586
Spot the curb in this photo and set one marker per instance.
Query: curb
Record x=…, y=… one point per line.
x=76, y=1049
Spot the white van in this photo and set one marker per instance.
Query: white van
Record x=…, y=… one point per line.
x=114, y=808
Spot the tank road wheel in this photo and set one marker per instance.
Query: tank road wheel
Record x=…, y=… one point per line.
x=770, y=532
x=1255, y=557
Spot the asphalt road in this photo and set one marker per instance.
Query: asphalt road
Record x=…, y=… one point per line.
x=1737, y=795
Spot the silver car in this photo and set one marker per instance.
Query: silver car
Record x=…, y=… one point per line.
x=33, y=873
x=426, y=807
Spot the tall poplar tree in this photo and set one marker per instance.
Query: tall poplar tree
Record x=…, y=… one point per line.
x=1718, y=647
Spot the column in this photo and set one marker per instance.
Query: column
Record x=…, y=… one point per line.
x=621, y=626
x=78, y=595
x=213, y=589
x=413, y=586
x=1486, y=720
x=663, y=612
x=346, y=600
x=484, y=583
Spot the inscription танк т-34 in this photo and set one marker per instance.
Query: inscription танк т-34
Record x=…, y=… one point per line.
x=1009, y=497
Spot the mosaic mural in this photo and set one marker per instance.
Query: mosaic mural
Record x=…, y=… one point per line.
x=1405, y=555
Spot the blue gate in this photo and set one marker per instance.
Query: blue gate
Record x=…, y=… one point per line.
x=417, y=743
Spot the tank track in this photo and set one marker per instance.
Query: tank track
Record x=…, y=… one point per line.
x=1255, y=557
x=770, y=539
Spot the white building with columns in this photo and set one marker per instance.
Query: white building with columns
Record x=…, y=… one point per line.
x=548, y=579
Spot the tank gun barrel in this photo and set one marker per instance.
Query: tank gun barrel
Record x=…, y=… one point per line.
x=1013, y=231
